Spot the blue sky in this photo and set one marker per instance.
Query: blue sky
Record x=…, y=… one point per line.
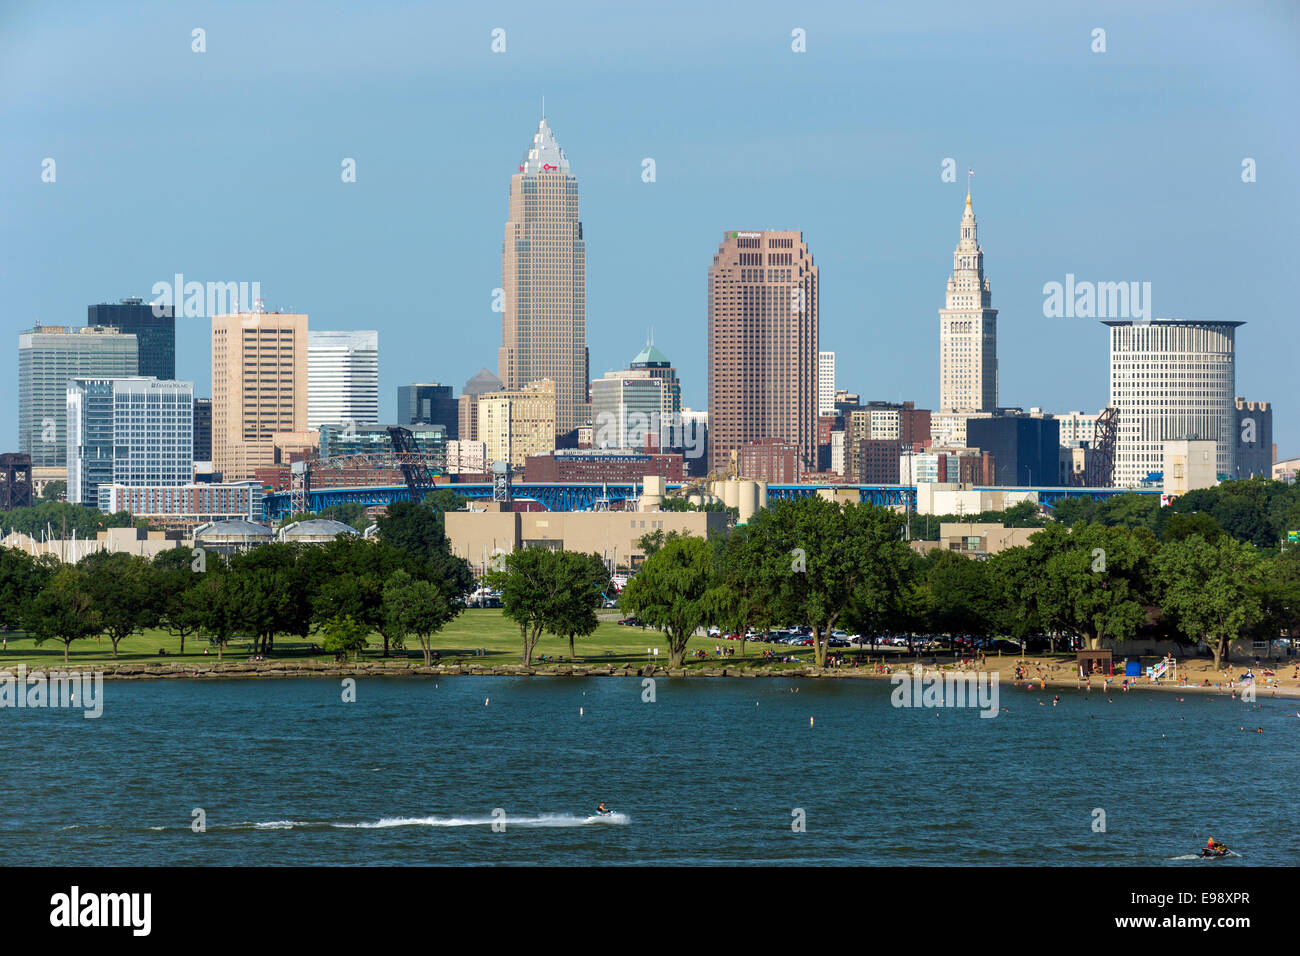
x=225, y=166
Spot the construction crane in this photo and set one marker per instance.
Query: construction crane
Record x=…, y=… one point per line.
x=414, y=464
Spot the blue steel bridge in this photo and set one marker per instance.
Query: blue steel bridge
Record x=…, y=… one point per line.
x=571, y=496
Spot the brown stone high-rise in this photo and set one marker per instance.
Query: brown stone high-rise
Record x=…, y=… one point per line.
x=763, y=306
x=544, y=277
x=259, y=387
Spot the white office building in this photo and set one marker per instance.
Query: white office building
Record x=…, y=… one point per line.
x=342, y=378
x=135, y=431
x=1077, y=427
x=1171, y=380
x=825, y=383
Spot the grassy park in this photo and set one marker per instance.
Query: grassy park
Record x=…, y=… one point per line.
x=487, y=629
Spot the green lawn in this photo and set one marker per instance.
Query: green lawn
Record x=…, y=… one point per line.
x=488, y=629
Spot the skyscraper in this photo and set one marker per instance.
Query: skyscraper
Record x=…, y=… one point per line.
x=763, y=308
x=640, y=406
x=48, y=358
x=259, y=387
x=203, y=429
x=514, y=424
x=467, y=411
x=968, y=330
x=627, y=411
x=428, y=404
x=342, y=378
x=128, y=431
x=544, y=277
x=1171, y=380
x=653, y=362
x=1253, y=437
x=156, y=334
x=825, y=383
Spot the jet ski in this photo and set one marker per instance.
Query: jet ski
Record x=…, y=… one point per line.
x=1218, y=852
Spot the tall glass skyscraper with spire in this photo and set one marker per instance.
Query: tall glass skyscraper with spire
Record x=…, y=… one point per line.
x=544, y=277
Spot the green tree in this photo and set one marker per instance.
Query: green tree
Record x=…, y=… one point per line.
x=736, y=602
x=412, y=606
x=213, y=600
x=652, y=541
x=272, y=590
x=1279, y=595
x=961, y=595
x=1014, y=578
x=445, y=499
x=1210, y=587
x=813, y=556
x=174, y=579
x=124, y=592
x=343, y=635
x=60, y=518
x=530, y=587
x=413, y=528
x=670, y=591
x=583, y=581
x=1095, y=581
x=1183, y=525
x=353, y=573
x=64, y=610
x=21, y=579
x=54, y=490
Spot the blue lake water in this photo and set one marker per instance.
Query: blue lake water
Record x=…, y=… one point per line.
x=711, y=772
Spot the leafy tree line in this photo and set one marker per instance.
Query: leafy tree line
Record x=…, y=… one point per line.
x=1259, y=511
x=403, y=583
x=58, y=515
x=1025, y=514
x=817, y=563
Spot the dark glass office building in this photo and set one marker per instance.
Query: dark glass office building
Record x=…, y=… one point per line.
x=202, y=429
x=156, y=334
x=428, y=405
x=1025, y=448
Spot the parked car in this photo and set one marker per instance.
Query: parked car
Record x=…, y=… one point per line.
x=631, y=621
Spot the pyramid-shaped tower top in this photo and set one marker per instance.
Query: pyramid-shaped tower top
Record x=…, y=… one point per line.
x=650, y=356
x=544, y=154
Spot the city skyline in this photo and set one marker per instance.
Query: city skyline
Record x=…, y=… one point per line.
x=1093, y=211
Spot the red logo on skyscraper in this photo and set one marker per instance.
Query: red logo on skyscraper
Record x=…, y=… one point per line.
x=549, y=166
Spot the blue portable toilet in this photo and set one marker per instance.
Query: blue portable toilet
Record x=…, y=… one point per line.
x=1132, y=667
